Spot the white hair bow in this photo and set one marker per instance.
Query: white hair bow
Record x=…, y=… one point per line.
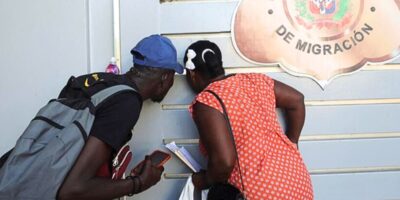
x=189, y=63
x=191, y=54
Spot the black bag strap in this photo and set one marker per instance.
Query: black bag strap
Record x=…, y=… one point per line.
x=231, y=133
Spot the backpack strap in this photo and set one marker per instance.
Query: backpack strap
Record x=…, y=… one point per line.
x=231, y=133
x=102, y=95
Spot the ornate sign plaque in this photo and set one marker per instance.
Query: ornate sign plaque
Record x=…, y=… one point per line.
x=320, y=39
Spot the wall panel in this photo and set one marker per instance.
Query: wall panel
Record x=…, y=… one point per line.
x=43, y=43
x=351, y=134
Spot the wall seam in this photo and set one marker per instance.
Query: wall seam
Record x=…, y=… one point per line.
x=88, y=38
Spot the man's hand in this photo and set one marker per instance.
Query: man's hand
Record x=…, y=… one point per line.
x=149, y=175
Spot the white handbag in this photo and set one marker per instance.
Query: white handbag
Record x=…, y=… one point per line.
x=189, y=193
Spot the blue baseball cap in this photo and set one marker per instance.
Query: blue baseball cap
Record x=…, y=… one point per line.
x=156, y=51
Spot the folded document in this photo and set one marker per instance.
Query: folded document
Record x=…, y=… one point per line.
x=185, y=156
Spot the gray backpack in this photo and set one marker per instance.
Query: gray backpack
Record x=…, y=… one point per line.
x=49, y=146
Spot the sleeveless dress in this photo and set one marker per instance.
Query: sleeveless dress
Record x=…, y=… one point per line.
x=272, y=167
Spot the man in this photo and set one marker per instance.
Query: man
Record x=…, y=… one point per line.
x=155, y=63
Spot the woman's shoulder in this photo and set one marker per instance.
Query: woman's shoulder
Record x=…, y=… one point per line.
x=208, y=99
x=256, y=76
x=258, y=79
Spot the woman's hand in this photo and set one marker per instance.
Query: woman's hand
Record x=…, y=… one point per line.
x=199, y=180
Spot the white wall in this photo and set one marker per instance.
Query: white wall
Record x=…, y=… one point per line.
x=43, y=43
x=351, y=136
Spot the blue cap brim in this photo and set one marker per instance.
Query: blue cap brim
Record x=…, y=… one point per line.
x=179, y=68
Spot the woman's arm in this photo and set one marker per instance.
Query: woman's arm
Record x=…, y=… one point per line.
x=292, y=103
x=215, y=135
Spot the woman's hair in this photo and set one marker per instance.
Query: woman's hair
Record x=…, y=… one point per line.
x=205, y=57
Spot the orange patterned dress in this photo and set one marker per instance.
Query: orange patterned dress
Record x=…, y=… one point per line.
x=272, y=166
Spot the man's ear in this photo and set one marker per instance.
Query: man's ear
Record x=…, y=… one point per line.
x=164, y=77
x=167, y=75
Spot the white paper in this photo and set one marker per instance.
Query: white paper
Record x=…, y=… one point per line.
x=204, y=194
x=185, y=156
x=191, y=160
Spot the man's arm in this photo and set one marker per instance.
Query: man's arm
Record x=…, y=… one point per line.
x=292, y=102
x=214, y=133
x=81, y=182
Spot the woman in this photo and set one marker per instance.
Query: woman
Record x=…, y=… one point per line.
x=271, y=166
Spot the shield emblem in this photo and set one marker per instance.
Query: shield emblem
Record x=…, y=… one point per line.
x=320, y=39
x=322, y=7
